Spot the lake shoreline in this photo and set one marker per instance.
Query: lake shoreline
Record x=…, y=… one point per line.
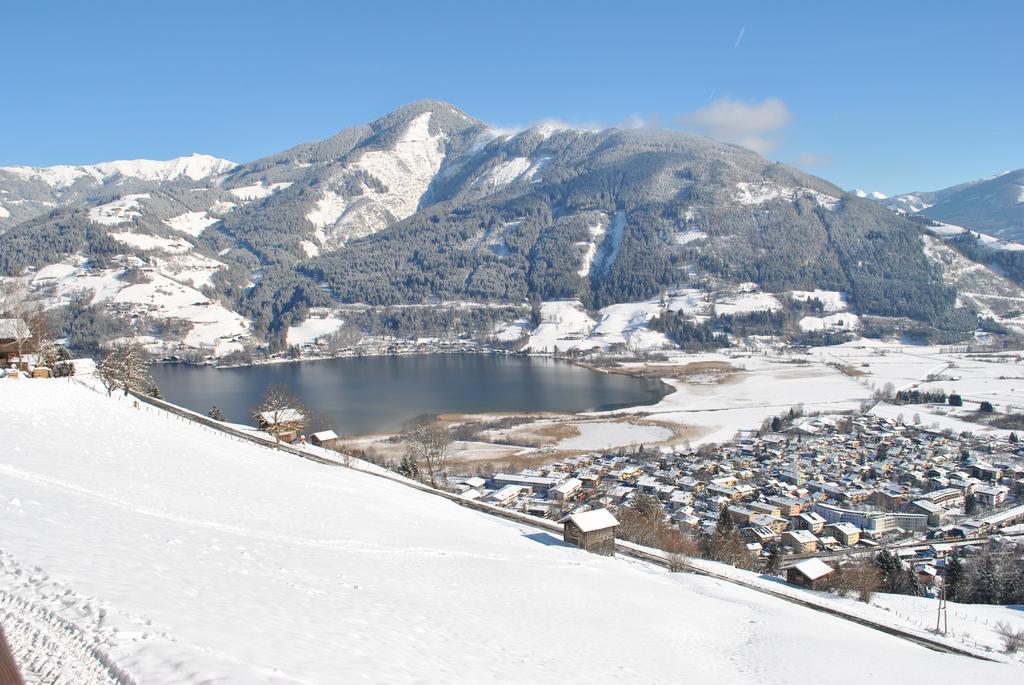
x=450, y=385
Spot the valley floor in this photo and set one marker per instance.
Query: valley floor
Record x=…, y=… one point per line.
x=136, y=547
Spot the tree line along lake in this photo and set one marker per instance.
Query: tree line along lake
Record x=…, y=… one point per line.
x=360, y=395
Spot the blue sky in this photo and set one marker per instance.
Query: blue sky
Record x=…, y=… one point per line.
x=883, y=96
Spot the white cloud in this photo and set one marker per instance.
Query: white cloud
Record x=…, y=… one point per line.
x=813, y=159
x=749, y=125
x=635, y=121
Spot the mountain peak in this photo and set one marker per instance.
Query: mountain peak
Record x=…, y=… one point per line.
x=443, y=114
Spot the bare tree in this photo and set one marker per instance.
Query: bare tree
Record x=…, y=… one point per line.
x=428, y=443
x=280, y=412
x=17, y=306
x=861, y=577
x=126, y=367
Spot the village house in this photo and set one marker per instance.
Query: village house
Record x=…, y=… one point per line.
x=846, y=533
x=538, y=484
x=566, y=490
x=990, y=496
x=801, y=541
x=811, y=521
x=763, y=508
x=506, y=495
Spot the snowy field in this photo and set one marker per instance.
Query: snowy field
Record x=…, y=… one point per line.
x=758, y=388
x=606, y=435
x=311, y=329
x=139, y=548
x=840, y=378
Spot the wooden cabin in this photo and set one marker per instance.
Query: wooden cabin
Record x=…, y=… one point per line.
x=593, y=531
x=327, y=438
x=810, y=573
x=282, y=423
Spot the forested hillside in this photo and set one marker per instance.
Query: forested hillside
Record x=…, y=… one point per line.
x=427, y=204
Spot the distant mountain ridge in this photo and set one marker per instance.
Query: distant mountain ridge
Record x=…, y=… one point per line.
x=993, y=205
x=26, y=192
x=428, y=204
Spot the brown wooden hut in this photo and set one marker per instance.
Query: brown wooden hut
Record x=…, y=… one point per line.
x=593, y=531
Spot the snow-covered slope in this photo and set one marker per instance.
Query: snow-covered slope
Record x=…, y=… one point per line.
x=166, y=289
x=173, y=554
x=380, y=187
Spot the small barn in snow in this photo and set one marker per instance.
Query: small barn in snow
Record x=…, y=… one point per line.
x=593, y=531
x=326, y=438
x=810, y=573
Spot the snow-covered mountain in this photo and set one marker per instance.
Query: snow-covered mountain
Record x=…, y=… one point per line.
x=138, y=549
x=27, y=192
x=428, y=204
x=993, y=205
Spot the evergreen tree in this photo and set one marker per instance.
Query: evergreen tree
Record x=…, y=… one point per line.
x=215, y=413
x=910, y=584
x=986, y=587
x=725, y=525
x=891, y=568
x=725, y=544
x=645, y=504
x=773, y=565
x=409, y=468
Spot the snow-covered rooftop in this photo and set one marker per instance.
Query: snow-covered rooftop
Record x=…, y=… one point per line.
x=597, y=519
x=813, y=568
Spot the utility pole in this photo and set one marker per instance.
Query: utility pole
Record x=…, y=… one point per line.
x=942, y=619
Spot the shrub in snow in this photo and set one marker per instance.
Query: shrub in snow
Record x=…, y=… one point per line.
x=1013, y=639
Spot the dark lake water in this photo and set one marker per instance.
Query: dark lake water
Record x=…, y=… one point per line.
x=379, y=394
